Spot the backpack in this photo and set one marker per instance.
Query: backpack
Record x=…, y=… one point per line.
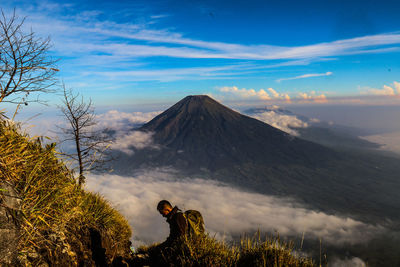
x=195, y=223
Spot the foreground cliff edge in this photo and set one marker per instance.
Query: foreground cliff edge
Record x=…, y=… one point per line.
x=47, y=220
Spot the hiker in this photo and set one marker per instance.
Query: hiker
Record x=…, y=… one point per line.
x=177, y=222
x=183, y=226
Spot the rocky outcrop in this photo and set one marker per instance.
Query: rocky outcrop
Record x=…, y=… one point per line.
x=10, y=204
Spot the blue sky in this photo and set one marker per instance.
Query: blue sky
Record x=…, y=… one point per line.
x=264, y=52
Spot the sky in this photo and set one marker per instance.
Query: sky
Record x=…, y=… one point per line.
x=270, y=52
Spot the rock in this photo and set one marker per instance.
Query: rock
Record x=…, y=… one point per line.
x=9, y=224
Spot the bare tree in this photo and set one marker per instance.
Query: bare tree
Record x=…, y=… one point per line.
x=25, y=64
x=90, y=142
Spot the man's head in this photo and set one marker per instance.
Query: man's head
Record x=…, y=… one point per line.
x=164, y=207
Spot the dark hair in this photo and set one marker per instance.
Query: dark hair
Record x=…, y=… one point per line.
x=162, y=204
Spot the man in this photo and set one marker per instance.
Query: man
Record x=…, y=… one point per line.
x=176, y=220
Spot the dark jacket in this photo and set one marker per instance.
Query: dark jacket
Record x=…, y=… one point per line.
x=177, y=226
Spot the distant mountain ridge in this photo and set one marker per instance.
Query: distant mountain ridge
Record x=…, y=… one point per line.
x=320, y=132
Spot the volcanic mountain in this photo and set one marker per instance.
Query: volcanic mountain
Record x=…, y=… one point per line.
x=200, y=137
x=200, y=133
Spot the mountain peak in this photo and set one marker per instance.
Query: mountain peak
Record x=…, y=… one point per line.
x=192, y=110
x=197, y=97
x=193, y=102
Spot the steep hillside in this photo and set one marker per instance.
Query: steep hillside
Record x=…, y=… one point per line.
x=45, y=218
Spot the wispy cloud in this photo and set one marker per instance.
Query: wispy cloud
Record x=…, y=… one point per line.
x=172, y=74
x=86, y=33
x=305, y=76
x=159, y=16
x=94, y=48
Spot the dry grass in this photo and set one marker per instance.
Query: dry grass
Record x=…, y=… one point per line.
x=51, y=199
x=208, y=251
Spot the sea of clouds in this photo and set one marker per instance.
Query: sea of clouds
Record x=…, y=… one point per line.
x=227, y=211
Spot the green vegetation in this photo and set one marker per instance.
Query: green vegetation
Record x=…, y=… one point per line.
x=57, y=217
x=208, y=251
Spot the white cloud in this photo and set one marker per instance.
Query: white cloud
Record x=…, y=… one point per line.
x=386, y=90
x=246, y=93
x=254, y=94
x=397, y=87
x=123, y=121
x=126, y=139
x=314, y=97
x=283, y=122
x=226, y=211
x=135, y=139
x=306, y=76
x=273, y=92
x=393, y=90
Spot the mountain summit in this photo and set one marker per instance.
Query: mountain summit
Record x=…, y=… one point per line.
x=200, y=133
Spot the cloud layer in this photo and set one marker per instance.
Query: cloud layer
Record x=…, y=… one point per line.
x=126, y=139
x=227, y=211
x=123, y=121
x=128, y=142
x=283, y=122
